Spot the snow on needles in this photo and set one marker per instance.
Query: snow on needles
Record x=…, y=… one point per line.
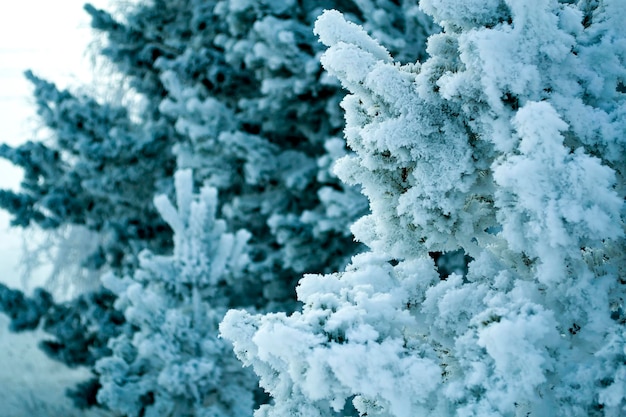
x=508, y=143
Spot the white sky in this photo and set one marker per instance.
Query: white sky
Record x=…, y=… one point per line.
x=50, y=38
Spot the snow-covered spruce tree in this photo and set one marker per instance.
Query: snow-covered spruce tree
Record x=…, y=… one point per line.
x=175, y=364
x=98, y=169
x=507, y=142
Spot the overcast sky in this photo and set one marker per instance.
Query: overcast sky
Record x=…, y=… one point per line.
x=49, y=37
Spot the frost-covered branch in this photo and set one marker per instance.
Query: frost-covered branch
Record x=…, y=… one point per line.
x=507, y=143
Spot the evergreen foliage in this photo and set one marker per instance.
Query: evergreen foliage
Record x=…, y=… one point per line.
x=99, y=169
x=256, y=117
x=508, y=143
x=240, y=82
x=80, y=329
x=484, y=172
x=24, y=312
x=175, y=364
